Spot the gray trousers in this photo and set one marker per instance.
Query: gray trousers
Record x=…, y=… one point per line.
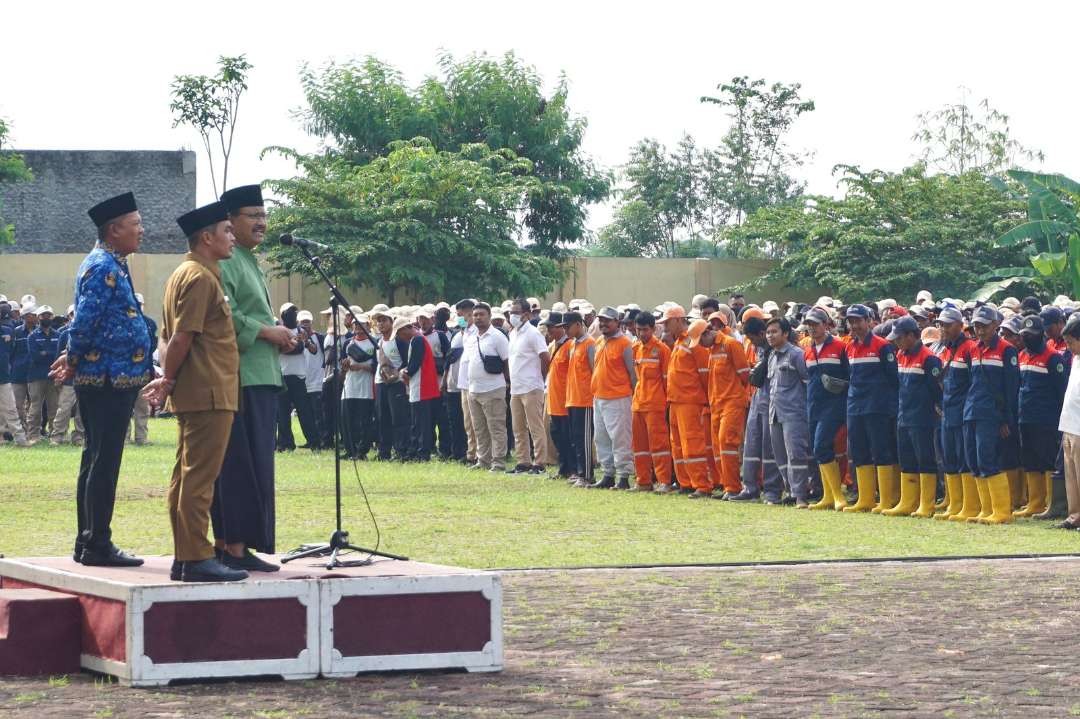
x=9, y=417
x=791, y=447
x=43, y=397
x=612, y=429
x=67, y=408
x=758, y=459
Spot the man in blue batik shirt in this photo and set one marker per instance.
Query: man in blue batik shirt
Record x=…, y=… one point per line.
x=110, y=356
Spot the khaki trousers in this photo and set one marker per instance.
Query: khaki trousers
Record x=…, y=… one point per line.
x=470, y=433
x=140, y=417
x=9, y=416
x=22, y=400
x=527, y=418
x=1070, y=449
x=488, y=410
x=43, y=396
x=67, y=408
x=199, y=453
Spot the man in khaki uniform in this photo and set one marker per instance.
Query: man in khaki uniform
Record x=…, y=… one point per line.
x=202, y=382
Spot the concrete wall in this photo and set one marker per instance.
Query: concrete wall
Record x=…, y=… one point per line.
x=49, y=213
x=601, y=280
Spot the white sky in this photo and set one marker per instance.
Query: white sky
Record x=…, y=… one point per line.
x=80, y=75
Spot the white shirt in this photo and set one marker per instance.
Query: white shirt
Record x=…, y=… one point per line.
x=360, y=384
x=526, y=346
x=314, y=369
x=1070, y=410
x=463, y=365
x=294, y=364
x=452, y=370
x=491, y=343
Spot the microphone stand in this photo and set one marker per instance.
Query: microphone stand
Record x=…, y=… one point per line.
x=339, y=540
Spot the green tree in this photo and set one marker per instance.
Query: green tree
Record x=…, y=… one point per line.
x=211, y=104
x=432, y=222
x=360, y=108
x=891, y=235
x=753, y=165
x=12, y=169
x=1049, y=239
x=960, y=138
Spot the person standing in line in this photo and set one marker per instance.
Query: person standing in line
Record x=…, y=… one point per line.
x=613, y=383
x=108, y=368
x=579, y=399
x=489, y=376
x=651, y=434
x=529, y=360
x=555, y=400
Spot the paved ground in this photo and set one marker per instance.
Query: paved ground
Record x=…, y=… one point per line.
x=956, y=639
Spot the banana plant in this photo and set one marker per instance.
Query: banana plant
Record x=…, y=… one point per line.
x=1051, y=234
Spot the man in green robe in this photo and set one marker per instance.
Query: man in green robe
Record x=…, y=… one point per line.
x=243, y=508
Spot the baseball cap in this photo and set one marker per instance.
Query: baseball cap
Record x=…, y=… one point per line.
x=554, y=319
x=304, y=315
x=286, y=306
x=950, y=315
x=570, y=318
x=674, y=312
x=817, y=316
x=28, y=308
x=1051, y=314
x=858, y=311
x=1032, y=325
x=902, y=325
x=609, y=312
x=45, y=310
x=752, y=313
x=984, y=315
x=770, y=306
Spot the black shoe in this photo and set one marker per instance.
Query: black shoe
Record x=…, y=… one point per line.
x=80, y=545
x=249, y=562
x=211, y=570
x=110, y=557
x=537, y=469
x=176, y=571
x=788, y=501
x=699, y=495
x=686, y=490
x=743, y=496
x=605, y=483
x=519, y=469
x=623, y=483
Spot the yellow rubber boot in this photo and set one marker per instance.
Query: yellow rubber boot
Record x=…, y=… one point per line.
x=971, y=504
x=927, y=495
x=1000, y=499
x=888, y=487
x=909, y=496
x=831, y=473
x=866, y=478
x=1016, y=488
x=982, y=485
x=944, y=503
x=826, y=492
x=955, y=492
x=1036, y=488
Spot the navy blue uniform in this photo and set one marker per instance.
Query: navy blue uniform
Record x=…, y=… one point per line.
x=1043, y=380
x=872, y=401
x=991, y=403
x=956, y=379
x=43, y=349
x=919, y=372
x=825, y=410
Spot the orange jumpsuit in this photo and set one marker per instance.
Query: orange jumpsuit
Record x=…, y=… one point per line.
x=651, y=443
x=729, y=375
x=688, y=401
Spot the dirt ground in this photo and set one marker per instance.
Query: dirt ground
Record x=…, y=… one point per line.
x=943, y=639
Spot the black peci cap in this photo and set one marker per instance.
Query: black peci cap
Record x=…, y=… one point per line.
x=200, y=217
x=112, y=208
x=244, y=196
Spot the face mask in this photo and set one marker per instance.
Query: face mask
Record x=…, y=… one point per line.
x=461, y=322
x=44, y=324
x=515, y=320
x=1033, y=343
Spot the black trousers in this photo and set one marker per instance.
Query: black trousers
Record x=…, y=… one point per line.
x=321, y=430
x=331, y=403
x=581, y=440
x=560, y=435
x=295, y=394
x=242, y=511
x=420, y=415
x=358, y=416
x=105, y=413
x=455, y=425
x=394, y=420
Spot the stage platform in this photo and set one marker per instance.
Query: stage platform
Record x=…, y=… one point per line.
x=299, y=623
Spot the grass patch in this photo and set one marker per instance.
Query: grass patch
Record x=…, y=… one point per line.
x=445, y=513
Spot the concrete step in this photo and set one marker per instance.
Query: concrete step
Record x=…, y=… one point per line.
x=40, y=632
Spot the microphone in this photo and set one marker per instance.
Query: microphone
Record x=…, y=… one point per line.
x=289, y=241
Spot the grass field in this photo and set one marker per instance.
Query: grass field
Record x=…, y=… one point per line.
x=442, y=512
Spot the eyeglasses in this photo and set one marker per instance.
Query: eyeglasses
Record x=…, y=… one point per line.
x=254, y=215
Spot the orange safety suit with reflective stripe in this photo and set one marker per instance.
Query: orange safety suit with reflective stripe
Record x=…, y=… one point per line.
x=579, y=374
x=687, y=393
x=557, y=378
x=729, y=375
x=650, y=442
